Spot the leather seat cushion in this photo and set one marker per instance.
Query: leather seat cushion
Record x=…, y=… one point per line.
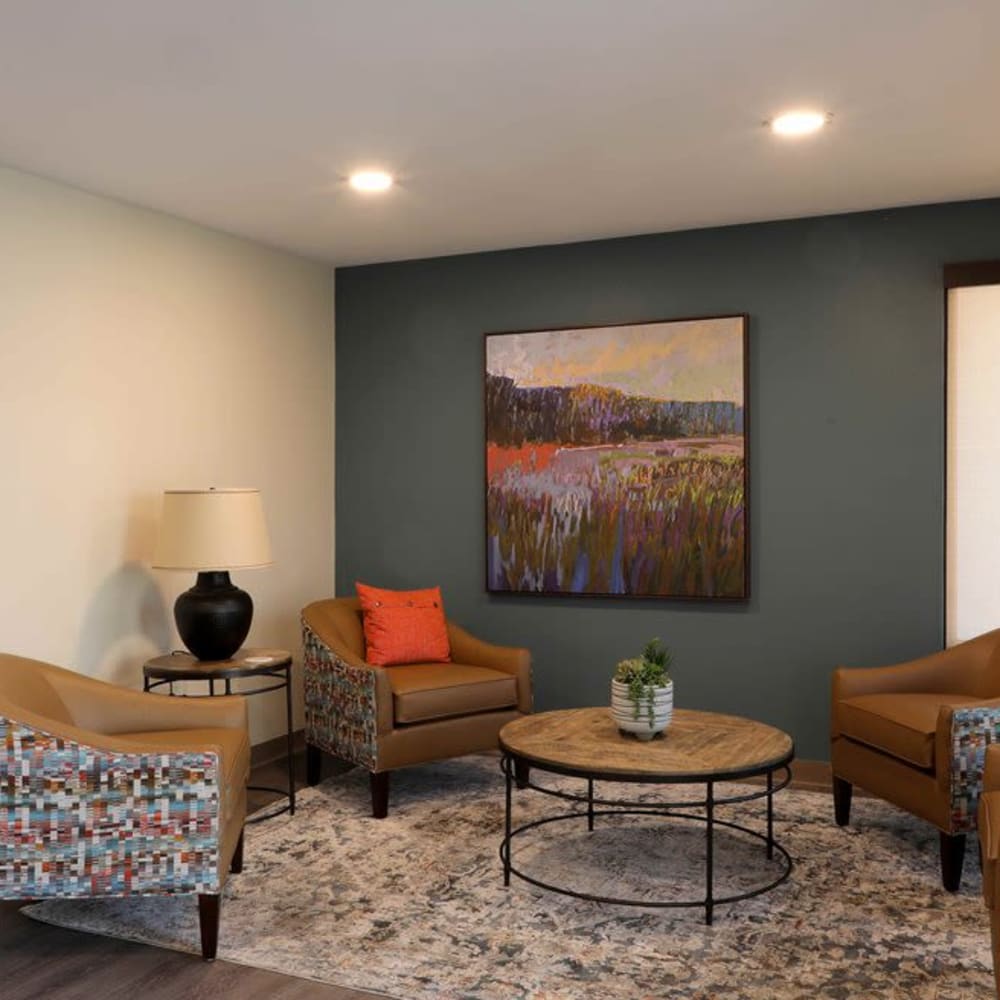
x=234, y=743
x=902, y=725
x=425, y=691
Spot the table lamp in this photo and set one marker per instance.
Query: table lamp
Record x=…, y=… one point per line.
x=212, y=531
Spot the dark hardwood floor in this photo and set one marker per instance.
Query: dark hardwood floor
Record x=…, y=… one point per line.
x=48, y=963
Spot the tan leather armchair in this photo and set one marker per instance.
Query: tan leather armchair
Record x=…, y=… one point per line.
x=110, y=792
x=989, y=843
x=383, y=718
x=915, y=734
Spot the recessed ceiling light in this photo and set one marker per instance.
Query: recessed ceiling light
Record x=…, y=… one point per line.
x=370, y=180
x=798, y=122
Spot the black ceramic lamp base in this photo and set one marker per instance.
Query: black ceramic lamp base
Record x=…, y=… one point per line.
x=214, y=616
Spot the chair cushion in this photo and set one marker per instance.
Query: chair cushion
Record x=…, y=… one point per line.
x=234, y=743
x=425, y=691
x=902, y=725
x=403, y=626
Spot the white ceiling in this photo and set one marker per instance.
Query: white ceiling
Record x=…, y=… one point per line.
x=510, y=122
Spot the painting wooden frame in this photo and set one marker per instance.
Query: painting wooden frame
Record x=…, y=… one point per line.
x=617, y=460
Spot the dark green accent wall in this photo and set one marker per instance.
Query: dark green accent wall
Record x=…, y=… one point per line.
x=847, y=445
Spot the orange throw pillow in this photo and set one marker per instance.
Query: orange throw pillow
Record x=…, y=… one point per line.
x=404, y=626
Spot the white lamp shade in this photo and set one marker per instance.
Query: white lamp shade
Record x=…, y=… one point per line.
x=212, y=530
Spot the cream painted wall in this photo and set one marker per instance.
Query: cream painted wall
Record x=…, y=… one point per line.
x=138, y=353
x=973, y=542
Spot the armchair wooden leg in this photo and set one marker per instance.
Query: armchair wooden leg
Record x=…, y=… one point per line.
x=842, y=800
x=952, y=857
x=208, y=917
x=314, y=764
x=236, y=865
x=380, y=794
x=522, y=773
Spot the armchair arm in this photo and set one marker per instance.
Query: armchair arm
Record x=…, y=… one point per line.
x=348, y=701
x=967, y=669
x=936, y=672
x=989, y=806
x=960, y=743
x=991, y=770
x=106, y=708
x=466, y=648
x=77, y=819
x=989, y=824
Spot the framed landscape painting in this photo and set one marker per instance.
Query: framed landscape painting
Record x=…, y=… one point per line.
x=616, y=460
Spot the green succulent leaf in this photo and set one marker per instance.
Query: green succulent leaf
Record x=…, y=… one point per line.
x=643, y=674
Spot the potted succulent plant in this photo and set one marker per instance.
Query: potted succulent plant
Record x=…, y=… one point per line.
x=642, y=693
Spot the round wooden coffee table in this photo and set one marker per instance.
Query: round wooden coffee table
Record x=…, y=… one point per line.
x=697, y=748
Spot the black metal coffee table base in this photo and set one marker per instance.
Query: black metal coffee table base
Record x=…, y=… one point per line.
x=673, y=810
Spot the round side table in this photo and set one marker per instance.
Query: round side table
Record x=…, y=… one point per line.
x=261, y=664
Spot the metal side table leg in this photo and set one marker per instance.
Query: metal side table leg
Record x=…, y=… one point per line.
x=508, y=767
x=709, y=850
x=290, y=740
x=770, y=815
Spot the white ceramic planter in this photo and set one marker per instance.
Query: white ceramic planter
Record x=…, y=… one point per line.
x=623, y=710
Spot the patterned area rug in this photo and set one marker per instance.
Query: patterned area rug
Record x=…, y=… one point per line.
x=414, y=906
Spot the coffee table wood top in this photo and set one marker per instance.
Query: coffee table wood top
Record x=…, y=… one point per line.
x=697, y=746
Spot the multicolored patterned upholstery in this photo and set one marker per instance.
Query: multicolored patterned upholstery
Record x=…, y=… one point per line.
x=972, y=731
x=79, y=821
x=106, y=791
x=341, y=713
